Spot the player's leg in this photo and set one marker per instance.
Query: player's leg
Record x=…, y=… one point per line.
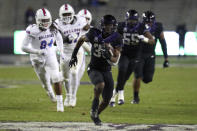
x=44, y=78
x=52, y=67
x=137, y=80
x=122, y=69
x=75, y=78
x=128, y=72
x=65, y=70
x=107, y=91
x=97, y=79
x=149, y=69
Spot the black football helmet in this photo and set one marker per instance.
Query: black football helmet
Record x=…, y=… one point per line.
x=108, y=24
x=148, y=17
x=132, y=17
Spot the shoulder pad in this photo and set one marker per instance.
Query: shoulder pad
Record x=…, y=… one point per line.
x=32, y=30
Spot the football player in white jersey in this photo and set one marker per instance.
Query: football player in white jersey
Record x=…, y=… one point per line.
x=39, y=43
x=86, y=46
x=71, y=27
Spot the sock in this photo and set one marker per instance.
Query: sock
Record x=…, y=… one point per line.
x=59, y=98
x=95, y=104
x=136, y=94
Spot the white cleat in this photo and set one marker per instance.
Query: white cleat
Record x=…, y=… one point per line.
x=60, y=106
x=113, y=99
x=67, y=101
x=72, y=102
x=52, y=97
x=120, y=97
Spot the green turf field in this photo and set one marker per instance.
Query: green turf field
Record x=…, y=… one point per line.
x=170, y=99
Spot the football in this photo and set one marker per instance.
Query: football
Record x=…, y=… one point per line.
x=110, y=47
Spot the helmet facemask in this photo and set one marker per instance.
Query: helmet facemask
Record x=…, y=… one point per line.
x=44, y=23
x=67, y=18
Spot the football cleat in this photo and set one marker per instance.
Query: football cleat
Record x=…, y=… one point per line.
x=113, y=99
x=135, y=101
x=67, y=100
x=72, y=102
x=95, y=118
x=52, y=96
x=60, y=106
x=120, y=97
x=112, y=104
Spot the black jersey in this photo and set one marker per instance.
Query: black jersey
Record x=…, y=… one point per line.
x=132, y=45
x=97, y=61
x=156, y=31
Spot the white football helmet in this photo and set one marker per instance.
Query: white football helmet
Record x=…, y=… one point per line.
x=86, y=13
x=66, y=13
x=43, y=18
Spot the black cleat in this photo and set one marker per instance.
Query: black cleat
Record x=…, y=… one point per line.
x=95, y=118
x=135, y=101
x=112, y=104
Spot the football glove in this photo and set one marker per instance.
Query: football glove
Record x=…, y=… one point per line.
x=73, y=61
x=165, y=64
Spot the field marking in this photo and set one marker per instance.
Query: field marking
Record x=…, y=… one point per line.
x=60, y=126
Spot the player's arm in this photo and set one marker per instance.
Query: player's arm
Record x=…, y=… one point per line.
x=164, y=49
x=81, y=40
x=27, y=48
x=116, y=56
x=148, y=38
x=59, y=42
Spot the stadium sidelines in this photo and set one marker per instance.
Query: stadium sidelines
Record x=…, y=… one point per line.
x=60, y=126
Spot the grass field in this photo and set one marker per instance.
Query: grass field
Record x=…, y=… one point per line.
x=170, y=99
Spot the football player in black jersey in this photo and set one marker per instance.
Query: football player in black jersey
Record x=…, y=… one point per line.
x=134, y=33
x=99, y=69
x=145, y=69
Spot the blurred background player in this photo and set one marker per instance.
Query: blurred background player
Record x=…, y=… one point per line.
x=39, y=42
x=99, y=69
x=71, y=27
x=146, y=68
x=133, y=33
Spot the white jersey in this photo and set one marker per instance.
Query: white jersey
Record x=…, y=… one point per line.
x=36, y=40
x=75, y=30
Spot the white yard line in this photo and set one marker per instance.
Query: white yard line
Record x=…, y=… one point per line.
x=72, y=126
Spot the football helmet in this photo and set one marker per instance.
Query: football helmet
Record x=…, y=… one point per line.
x=132, y=17
x=66, y=13
x=108, y=24
x=148, y=17
x=43, y=18
x=86, y=13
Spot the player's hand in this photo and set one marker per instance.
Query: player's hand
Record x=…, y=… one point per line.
x=73, y=61
x=165, y=64
x=106, y=53
x=42, y=52
x=142, y=38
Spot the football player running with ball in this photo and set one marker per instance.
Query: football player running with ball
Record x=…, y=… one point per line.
x=39, y=42
x=105, y=52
